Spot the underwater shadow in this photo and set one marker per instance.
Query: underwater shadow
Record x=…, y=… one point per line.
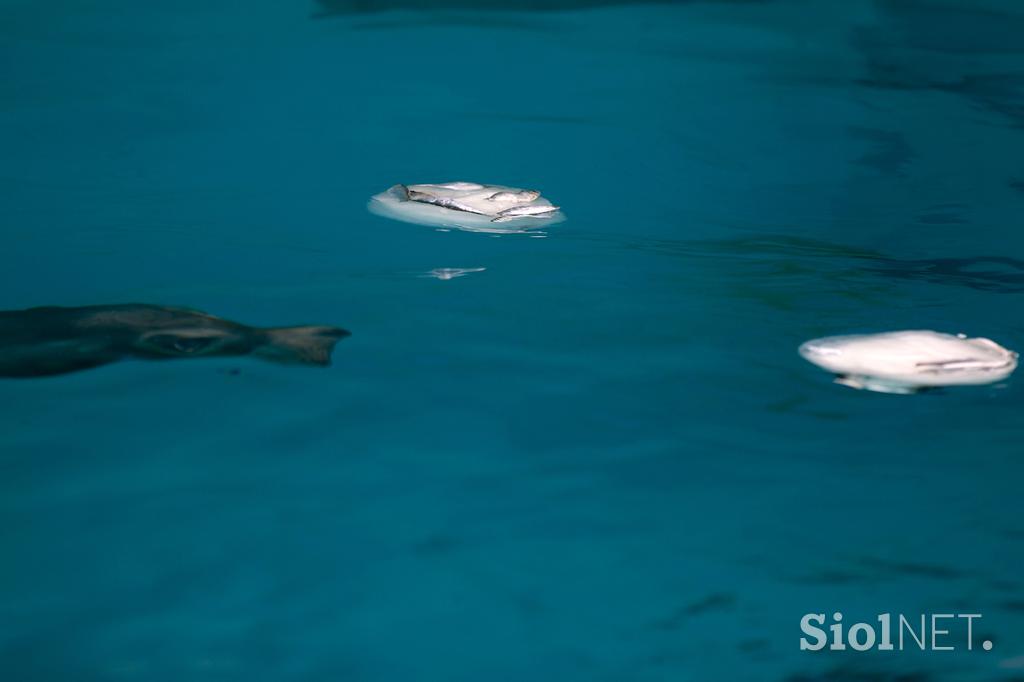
x=325, y=8
x=919, y=45
x=784, y=255
x=849, y=673
x=993, y=274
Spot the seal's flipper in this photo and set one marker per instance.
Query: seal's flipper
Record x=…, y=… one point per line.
x=300, y=345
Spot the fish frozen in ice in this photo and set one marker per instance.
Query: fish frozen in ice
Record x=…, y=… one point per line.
x=468, y=206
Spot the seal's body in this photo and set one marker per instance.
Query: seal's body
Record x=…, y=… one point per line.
x=54, y=340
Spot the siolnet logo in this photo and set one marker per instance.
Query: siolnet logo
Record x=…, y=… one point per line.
x=921, y=632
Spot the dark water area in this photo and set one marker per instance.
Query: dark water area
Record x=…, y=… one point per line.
x=329, y=7
x=596, y=455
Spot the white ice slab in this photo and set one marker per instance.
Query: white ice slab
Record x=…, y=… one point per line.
x=494, y=209
x=907, y=361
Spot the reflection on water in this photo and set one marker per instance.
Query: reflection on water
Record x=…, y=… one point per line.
x=862, y=673
x=891, y=153
x=765, y=255
x=452, y=273
x=718, y=601
x=327, y=7
x=940, y=35
x=517, y=22
x=957, y=28
x=996, y=274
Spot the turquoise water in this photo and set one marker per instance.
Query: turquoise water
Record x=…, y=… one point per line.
x=600, y=458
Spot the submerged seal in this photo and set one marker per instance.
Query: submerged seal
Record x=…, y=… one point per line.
x=910, y=361
x=54, y=340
